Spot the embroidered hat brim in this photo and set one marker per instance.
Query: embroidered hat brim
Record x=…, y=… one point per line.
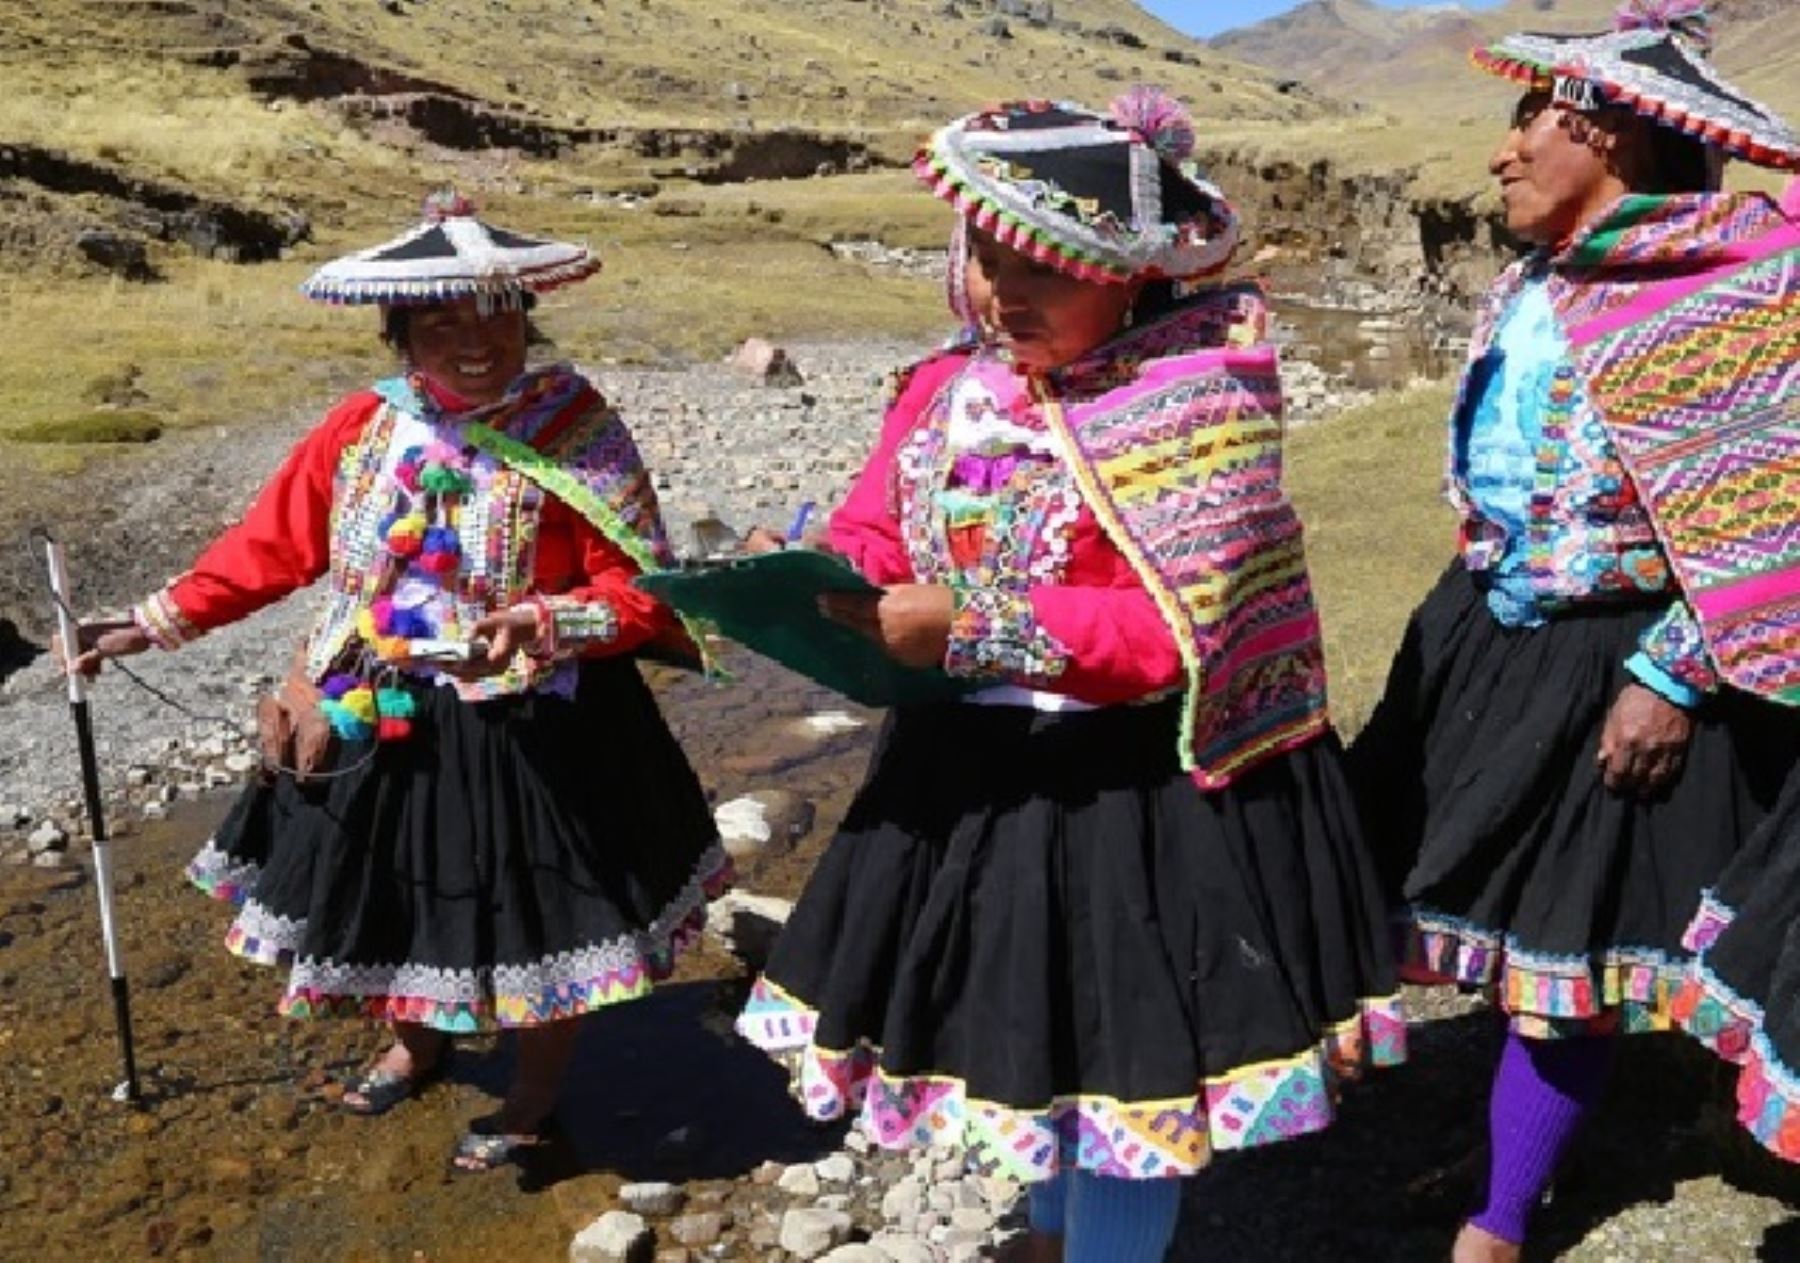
x=1660, y=77
x=1078, y=192
x=457, y=256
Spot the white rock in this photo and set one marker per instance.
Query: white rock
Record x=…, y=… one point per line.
x=652, y=1198
x=972, y=1219
x=810, y=1233
x=748, y=925
x=839, y=1168
x=743, y=826
x=240, y=763
x=12, y=816
x=616, y=1236
x=906, y=1197
x=828, y=723
x=799, y=1180
x=856, y=1253
x=999, y=1191
x=47, y=837
x=769, y=820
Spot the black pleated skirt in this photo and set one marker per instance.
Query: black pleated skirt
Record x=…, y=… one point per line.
x=1516, y=869
x=1036, y=938
x=1742, y=995
x=513, y=862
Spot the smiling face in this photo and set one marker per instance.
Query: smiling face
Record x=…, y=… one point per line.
x=473, y=355
x=1558, y=168
x=1044, y=317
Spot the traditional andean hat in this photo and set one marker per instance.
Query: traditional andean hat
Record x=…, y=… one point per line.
x=1654, y=61
x=450, y=255
x=1102, y=197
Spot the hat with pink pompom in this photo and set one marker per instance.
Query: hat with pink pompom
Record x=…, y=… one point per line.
x=1654, y=61
x=1111, y=197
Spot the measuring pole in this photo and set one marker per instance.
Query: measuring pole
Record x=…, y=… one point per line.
x=127, y=1091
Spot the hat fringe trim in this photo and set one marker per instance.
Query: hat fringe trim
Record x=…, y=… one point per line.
x=1530, y=74
x=1739, y=144
x=1008, y=229
x=397, y=291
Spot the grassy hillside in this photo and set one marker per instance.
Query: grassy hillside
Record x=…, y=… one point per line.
x=267, y=101
x=146, y=144
x=1372, y=565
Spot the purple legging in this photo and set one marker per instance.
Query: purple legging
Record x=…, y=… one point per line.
x=1543, y=1090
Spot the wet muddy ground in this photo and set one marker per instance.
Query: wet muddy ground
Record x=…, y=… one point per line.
x=239, y=1153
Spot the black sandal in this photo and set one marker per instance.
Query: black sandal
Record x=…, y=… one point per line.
x=478, y=1152
x=381, y=1089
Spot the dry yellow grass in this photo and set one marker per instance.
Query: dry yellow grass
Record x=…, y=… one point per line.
x=1377, y=531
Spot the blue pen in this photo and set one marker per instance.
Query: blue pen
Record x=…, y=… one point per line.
x=798, y=529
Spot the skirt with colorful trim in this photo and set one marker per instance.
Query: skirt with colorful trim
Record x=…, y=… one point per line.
x=1039, y=941
x=1742, y=994
x=512, y=862
x=1519, y=872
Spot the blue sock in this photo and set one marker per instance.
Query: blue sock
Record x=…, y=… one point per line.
x=1119, y=1221
x=1048, y=1202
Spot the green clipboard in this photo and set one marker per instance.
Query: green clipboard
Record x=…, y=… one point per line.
x=769, y=604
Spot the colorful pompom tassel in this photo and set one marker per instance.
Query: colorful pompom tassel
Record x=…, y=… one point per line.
x=406, y=536
x=442, y=480
x=358, y=712
x=397, y=703
x=439, y=551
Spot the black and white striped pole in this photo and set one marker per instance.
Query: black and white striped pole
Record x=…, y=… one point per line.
x=126, y=1091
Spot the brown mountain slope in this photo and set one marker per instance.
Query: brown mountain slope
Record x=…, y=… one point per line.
x=1351, y=48
x=1413, y=63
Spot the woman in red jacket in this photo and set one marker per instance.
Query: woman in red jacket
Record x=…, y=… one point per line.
x=486, y=850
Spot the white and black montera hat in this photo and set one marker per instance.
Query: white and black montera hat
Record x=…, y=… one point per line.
x=451, y=255
x=1654, y=61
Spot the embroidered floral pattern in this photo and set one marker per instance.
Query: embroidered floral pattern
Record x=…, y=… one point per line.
x=1675, y=644
x=220, y=876
x=460, y=1001
x=1249, y=1106
x=1588, y=537
x=1732, y=1026
x=264, y=937
x=1546, y=995
x=994, y=635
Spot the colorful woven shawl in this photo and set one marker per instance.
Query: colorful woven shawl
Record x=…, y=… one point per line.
x=1684, y=317
x=1174, y=432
